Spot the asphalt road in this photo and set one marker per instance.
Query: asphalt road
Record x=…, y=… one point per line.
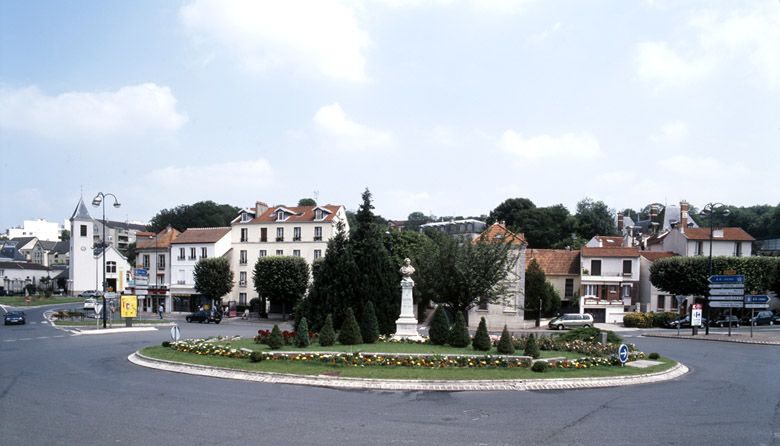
x=56, y=388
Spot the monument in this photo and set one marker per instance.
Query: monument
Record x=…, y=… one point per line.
x=406, y=325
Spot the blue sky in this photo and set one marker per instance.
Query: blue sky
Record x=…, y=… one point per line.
x=444, y=107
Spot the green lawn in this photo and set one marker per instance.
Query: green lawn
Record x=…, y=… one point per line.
x=397, y=372
x=18, y=301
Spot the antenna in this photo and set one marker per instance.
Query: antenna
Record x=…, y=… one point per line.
x=316, y=194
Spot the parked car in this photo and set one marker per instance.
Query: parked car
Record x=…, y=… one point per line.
x=90, y=293
x=764, y=317
x=726, y=320
x=89, y=303
x=204, y=316
x=571, y=320
x=685, y=322
x=15, y=318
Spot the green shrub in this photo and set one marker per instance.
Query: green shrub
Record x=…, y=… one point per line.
x=275, y=341
x=481, y=338
x=539, y=366
x=589, y=334
x=166, y=343
x=653, y=355
x=327, y=334
x=661, y=319
x=255, y=357
x=302, y=333
x=531, y=347
x=505, y=346
x=637, y=319
x=369, y=327
x=350, y=330
x=459, y=334
x=439, y=330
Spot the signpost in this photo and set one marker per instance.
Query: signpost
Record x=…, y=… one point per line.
x=623, y=354
x=754, y=301
x=175, y=333
x=727, y=291
x=695, y=318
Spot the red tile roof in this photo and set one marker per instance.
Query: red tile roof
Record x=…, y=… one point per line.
x=300, y=214
x=610, y=252
x=497, y=231
x=201, y=235
x=730, y=234
x=655, y=255
x=555, y=262
x=610, y=241
x=163, y=239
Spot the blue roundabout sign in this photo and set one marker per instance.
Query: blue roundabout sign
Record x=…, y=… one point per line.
x=623, y=353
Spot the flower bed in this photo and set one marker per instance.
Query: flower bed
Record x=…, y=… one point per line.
x=208, y=347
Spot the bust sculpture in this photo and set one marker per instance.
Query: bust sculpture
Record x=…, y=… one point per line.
x=407, y=270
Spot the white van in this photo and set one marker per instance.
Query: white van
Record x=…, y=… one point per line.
x=571, y=320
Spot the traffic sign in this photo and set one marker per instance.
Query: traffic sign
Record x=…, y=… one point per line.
x=727, y=292
x=756, y=299
x=756, y=305
x=623, y=353
x=736, y=298
x=726, y=304
x=726, y=285
x=175, y=333
x=727, y=279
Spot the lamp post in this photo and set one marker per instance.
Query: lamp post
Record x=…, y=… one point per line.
x=710, y=210
x=97, y=201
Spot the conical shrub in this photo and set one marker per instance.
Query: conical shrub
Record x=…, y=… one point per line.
x=275, y=341
x=505, y=346
x=481, y=338
x=459, y=334
x=439, y=330
x=369, y=327
x=302, y=333
x=531, y=347
x=350, y=330
x=327, y=334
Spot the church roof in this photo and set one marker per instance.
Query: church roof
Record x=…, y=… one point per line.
x=81, y=211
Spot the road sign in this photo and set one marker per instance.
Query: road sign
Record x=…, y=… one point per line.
x=175, y=333
x=738, y=298
x=727, y=279
x=727, y=292
x=726, y=304
x=763, y=306
x=726, y=285
x=623, y=353
x=696, y=315
x=756, y=299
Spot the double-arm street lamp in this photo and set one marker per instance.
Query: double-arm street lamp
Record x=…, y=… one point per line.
x=711, y=210
x=97, y=201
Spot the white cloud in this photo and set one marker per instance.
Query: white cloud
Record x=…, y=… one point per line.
x=320, y=36
x=567, y=147
x=131, y=110
x=674, y=132
x=656, y=62
x=333, y=123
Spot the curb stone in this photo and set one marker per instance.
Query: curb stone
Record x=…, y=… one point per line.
x=716, y=338
x=409, y=385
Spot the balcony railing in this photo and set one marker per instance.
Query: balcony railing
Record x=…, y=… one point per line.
x=180, y=282
x=279, y=239
x=242, y=283
x=317, y=238
x=297, y=239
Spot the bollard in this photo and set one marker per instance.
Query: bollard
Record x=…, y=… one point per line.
x=604, y=338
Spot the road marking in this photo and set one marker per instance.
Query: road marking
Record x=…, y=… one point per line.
x=59, y=336
x=24, y=339
x=9, y=340
x=42, y=337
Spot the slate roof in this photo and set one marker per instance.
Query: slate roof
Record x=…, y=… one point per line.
x=610, y=252
x=199, y=235
x=22, y=266
x=297, y=214
x=555, y=262
x=81, y=212
x=21, y=241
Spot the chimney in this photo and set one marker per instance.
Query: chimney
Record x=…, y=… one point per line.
x=260, y=208
x=653, y=213
x=683, y=216
x=620, y=222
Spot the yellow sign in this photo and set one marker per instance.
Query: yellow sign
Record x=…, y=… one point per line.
x=129, y=306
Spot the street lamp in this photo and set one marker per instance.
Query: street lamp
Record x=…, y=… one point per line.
x=710, y=210
x=97, y=201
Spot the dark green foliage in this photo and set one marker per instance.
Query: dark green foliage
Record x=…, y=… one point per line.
x=594, y=218
x=302, y=334
x=439, y=330
x=281, y=279
x=481, y=338
x=688, y=275
x=589, y=334
x=505, y=345
x=637, y=319
x=327, y=334
x=653, y=355
x=203, y=214
x=275, y=341
x=536, y=286
x=307, y=202
x=166, y=343
x=350, y=330
x=213, y=277
x=459, y=334
x=369, y=327
x=548, y=227
x=531, y=347
x=255, y=356
x=539, y=366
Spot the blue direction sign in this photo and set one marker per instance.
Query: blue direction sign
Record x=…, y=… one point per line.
x=623, y=353
x=727, y=279
x=756, y=299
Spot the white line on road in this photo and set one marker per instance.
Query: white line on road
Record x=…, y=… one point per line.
x=24, y=339
x=42, y=337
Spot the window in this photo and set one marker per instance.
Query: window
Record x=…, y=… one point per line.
x=263, y=234
x=297, y=234
x=738, y=249
x=317, y=254
x=262, y=253
x=317, y=233
x=591, y=290
x=279, y=234
x=242, y=278
x=296, y=252
x=483, y=305
x=160, y=261
x=146, y=261
x=661, y=302
x=192, y=253
x=180, y=281
x=674, y=303
x=595, y=267
x=244, y=234
x=318, y=214
x=242, y=257
x=204, y=252
x=700, y=248
x=280, y=215
x=279, y=252
x=626, y=267
x=569, y=288
x=83, y=230
x=626, y=290
x=242, y=298
x=181, y=254
x=111, y=267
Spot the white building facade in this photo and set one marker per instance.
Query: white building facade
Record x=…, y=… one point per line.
x=186, y=250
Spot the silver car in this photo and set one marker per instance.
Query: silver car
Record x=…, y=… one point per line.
x=571, y=320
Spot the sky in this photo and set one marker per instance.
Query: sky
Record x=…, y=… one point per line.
x=443, y=107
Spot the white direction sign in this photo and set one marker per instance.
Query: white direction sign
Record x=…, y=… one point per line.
x=755, y=305
x=737, y=298
x=726, y=304
x=727, y=292
x=726, y=285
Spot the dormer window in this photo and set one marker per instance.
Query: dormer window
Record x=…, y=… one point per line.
x=245, y=217
x=318, y=214
x=280, y=215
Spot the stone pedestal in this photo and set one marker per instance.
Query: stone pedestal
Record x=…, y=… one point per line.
x=406, y=325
